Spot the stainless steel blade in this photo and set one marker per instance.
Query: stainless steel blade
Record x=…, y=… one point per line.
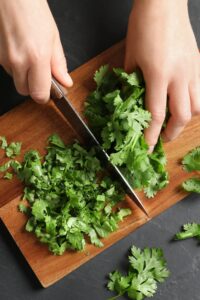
x=78, y=124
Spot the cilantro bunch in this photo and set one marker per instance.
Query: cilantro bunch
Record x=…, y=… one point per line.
x=67, y=198
x=116, y=114
x=191, y=162
x=146, y=269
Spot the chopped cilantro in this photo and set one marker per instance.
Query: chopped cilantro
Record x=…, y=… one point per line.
x=3, y=142
x=13, y=149
x=67, y=200
x=192, y=185
x=191, y=161
x=189, y=230
x=146, y=269
x=116, y=114
x=6, y=166
x=8, y=176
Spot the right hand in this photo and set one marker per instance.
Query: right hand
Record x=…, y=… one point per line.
x=160, y=42
x=31, y=50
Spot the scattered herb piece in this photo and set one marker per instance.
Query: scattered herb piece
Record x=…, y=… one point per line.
x=8, y=176
x=189, y=230
x=13, y=149
x=67, y=200
x=192, y=185
x=146, y=269
x=3, y=142
x=116, y=113
x=6, y=166
x=191, y=162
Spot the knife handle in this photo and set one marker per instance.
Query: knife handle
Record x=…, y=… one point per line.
x=57, y=90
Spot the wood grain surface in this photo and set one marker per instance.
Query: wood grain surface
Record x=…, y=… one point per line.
x=31, y=124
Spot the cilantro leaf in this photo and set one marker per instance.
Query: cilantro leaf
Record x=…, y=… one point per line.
x=189, y=230
x=192, y=185
x=8, y=176
x=13, y=149
x=99, y=75
x=147, y=268
x=3, y=142
x=6, y=166
x=191, y=161
x=23, y=208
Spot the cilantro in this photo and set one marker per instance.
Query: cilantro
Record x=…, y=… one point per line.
x=192, y=185
x=146, y=269
x=189, y=230
x=4, y=143
x=13, y=149
x=6, y=166
x=191, y=161
x=23, y=208
x=8, y=176
x=116, y=114
x=67, y=201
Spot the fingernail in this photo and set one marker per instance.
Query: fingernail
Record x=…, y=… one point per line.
x=150, y=150
x=68, y=79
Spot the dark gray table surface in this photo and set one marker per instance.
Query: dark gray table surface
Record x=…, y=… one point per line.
x=87, y=27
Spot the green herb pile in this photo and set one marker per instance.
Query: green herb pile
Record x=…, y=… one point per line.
x=67, y=198
x=116, y=114
x=146, y=269
x=191, y=162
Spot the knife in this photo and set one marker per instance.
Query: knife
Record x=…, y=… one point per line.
x=68, y=111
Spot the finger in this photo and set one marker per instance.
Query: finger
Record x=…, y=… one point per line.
x=20, y=78
x=155, y=101
x=130, y=65
x=129, y=61
x=194, y=90
x=39, y=81
x=180, y=109
x=59, y=65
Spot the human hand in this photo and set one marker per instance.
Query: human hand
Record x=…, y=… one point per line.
x=31, y=49
x=161, y=43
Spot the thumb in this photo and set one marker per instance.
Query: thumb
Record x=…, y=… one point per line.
x=59, y=65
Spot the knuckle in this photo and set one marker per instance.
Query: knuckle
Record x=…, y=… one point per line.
x=158, y=117
x=157, y=71
x=183, y=119
x=15, y=61
x=36, y=56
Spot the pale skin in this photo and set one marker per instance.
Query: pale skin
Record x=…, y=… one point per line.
x=160, y=42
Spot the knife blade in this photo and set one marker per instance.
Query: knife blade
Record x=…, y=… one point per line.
x=68, y=111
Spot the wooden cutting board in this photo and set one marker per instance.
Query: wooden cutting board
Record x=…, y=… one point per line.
x=31, y=124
